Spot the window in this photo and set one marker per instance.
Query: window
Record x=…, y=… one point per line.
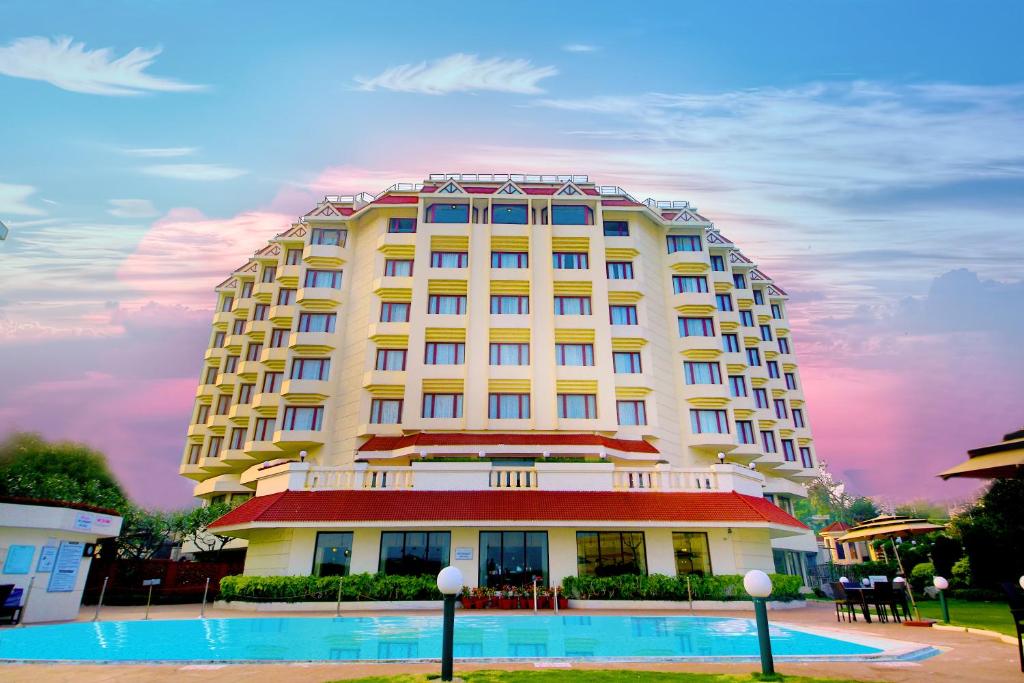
x=402, y=225
x=784, y=345
x=303, y=418
x=622, y=315
x=442, y=405
x=718, y=263
x=211, y=376
x=709, y=422
x=223, y=404
x=394, y=312
x=631, y=413
x=272, y=382
x=619, y=270
x=194, y=452
x=323, y=278
x=285, y=297
x=780, y=408
x=761, y=398
x=390, y=359
x=773, y=369
x=253, y=351
x=572, y=305
x=213, y=450
x=333, y=554
x=570, y=260
x=509, y=259
x=237, y=439
x=805, y=457
x=777, y=311
x=616, y=229
x=689, y=283
x=745, y=431
x=739, y=281
x=446, y=304
x=230, y=365
x=696, y=327
x=683, y=243
x=317, y=322
x=444, y=353
x=279, y=337
x=246, y=290
x=788, y=451
x=759, y=297
x=311, y=368
x=768, y=442
x=328, y=236
x=692, y=554
x=574, y=214
x=577, y=406
x=699, y=372
x=626, y=362
x=798, y=417
x=397, y=267
x=510, y=304
x=513, y=558
x=449, y=259
x=723, y=302
x=737, y=386
x=245, y=392
x=746, y=318
x=508, y=406
x=259, y=311
x=448, y=213
x=766, y=332
x=227, y=303
x=202, y=414
x=218, y=340
x=269, y=274
x=293, y=257
x=238, y=327
x=414, y=553
x=509, y=214
x=264, y=429
x=753, y=357
x=574, y=354
x=504, y=353
x=385, y=411
x=730, y=343
x=610, y=553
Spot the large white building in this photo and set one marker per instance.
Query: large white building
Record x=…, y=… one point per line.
x=518, y=375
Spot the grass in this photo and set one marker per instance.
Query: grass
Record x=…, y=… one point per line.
x=592, y=676
x=994, y=616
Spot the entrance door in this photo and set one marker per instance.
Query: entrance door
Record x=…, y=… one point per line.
x=513, y=558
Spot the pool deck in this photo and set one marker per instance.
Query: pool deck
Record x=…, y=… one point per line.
x=964, y=657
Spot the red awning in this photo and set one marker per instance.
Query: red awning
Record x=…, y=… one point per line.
x=391, y=443
x=504, y=506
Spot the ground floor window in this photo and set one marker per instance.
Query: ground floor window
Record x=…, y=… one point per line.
x=788, y=562
x=691, y=552
x=513, y=557
x=610, y=553
x=413, y=553
x=333, y=554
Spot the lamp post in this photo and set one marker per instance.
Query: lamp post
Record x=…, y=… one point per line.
x=941, y=585
x=449, y=582
x=759, y=586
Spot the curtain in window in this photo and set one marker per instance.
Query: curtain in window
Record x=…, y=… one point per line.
x=709, y=422
x=574, y=406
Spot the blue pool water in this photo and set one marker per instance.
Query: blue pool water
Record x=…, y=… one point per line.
x=411, y=638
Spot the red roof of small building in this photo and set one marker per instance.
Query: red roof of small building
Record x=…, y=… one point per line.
x=391, y=443
x=619, y=202
x=835, y=526
x=505, y=506
x=397, y=199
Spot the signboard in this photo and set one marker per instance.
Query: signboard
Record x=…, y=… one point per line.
x=151, y=582
x=463, y=553
x=19, y=559
x=83, y=521
x=47, y=554
x=65, y=567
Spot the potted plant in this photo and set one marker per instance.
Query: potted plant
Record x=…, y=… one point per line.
x=563, y=602
x=466, y=598
x=505, y=597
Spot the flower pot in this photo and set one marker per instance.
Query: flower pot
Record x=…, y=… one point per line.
x=467, y=603
x=563, y=603
x=505, y=603
x=479, y=602
x=544, y=602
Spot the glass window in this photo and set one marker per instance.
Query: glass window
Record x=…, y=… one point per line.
x=215, y=444
x=622, y=315
x=246, y=290
x=264, y=430
x=572, y=305
x=227, y=303
x=683, y=243
x=449, y=259
x=245, y=392
x=202, y=414
x=569, y=260
x=737, y=385
x=503, y=353
x=689, y=283
x=718, y=263
x=218, y=339
x=798, y=417
x=333, y=554
x=442, y=405
x=510, y=304
x=238, y=327
x=194, y=452
x=574, y=354
x=394, y=312
x=577, y=406
x=745, y=431
x=747, y=318
x=513, y=558
x=696, y=327
x=303, y=418
x=448, y=213
x=285, y=297
x=509, y=214
x=616, y=229
x=768, y=442
x=777, y=311
x=398, y=267
x=761, y=398
x=780, y=408
x=272, y=382
x=230, y=364
x=385, y=411
x=223, y=404
x=269, y=274
x=783, y=344
x=279, y=337
x=237, y=438
x=739, y=281
x=509, y=259
x=317, y=322
x=759, y=297
x=773, y=369
x=723, y=302
x=709, y=422
x=730, y=343
x=211, y=376
x=571, y=214
x=626, y=362
x=446, y=304
x=402, y=225
x=293, y=257
x=766, y=332
x=619, y=270
x=414, y=553
x=805, y=457
x=700, y=372
x=788, y=450
x=508, y=406
x=753, y=357
x=253, y=351
x=390, y=359
x=328, y=236
x=610, y=553
x=444, y=353
x=631, y=412
x=311, y=368
x=330, y=279
x=692, y=554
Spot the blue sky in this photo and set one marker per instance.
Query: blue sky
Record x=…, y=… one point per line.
x=870, y=155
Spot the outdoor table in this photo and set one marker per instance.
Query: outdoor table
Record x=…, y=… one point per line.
x=864, y=594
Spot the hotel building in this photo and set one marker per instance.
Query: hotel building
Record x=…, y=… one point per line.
x=519, y=375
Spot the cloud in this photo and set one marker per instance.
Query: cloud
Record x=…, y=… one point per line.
x=69, y=66
x=461, y=73
x=132, y=208
x=194, y=171
x=12, y=200
x=579, y=47
x=160, y=152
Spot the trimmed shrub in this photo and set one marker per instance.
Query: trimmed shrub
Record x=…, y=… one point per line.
x=961, y=573
x=661, y=587
x=354, y=588
x=921, y=576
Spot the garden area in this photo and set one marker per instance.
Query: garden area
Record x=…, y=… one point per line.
x=591, y=676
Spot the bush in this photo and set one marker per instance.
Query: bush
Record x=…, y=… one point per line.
x=977, y=595
x=354, y=588
x=961, y=573
x=856, y=572
x=661, y=587
x=921, y=576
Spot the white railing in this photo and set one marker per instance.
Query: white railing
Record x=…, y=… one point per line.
x=667, y=204
x=694, y=479
x=335, y=478
x=614, y=191
x=505, y=177
x=514, y=478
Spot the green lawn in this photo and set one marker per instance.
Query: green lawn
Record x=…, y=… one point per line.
x=994, y=616
x=590, y=676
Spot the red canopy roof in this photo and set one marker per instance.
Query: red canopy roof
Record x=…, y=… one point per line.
x=835, y=526
x=504, y=506
x=391, y=443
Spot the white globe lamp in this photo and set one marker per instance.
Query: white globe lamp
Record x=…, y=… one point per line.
x=757, y=583
x=1021, y=582
x=843, y=580
x=940, y=583
x=449, y=581
x=759, y=586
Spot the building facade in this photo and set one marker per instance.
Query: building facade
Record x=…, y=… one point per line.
x=518, y=375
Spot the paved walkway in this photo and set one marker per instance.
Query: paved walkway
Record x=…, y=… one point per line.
x=965, y=658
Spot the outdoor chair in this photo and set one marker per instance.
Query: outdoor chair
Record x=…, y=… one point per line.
x=1015, y=599
x=845, y=605
x=885, y=599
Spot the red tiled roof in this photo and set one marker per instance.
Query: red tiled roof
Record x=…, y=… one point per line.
x=835, y=526
x=505, y=506
x=396, y=199
x=390, y=443
x=619, y=202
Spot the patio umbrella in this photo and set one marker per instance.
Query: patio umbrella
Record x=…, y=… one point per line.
x=1004, y=460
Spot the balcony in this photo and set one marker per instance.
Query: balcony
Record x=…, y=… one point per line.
x=319, y=298
x=513, y=478
x=266, y=405
x=305, y=391
x=197, y=429
x=261, y=451
x=208, y=390
x=264, y=291
x=324, y=255
x=236, y=458
x=258, y=330
x=293, y=440
x=288, y=276
x=319, y=343
x=716, y=443
x=240, y=414
x=705, y=301
x=249, y=368
x=213, y=465
x=274, y=358
x=216, y=353
x=194, y=472
x=282, y=315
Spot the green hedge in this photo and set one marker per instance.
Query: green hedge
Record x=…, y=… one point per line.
x=661, y=587
x=354, y=588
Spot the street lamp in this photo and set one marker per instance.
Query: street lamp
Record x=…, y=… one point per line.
x=941, y=585
x=449, y=582
x=1021, y=581
x=759, y=586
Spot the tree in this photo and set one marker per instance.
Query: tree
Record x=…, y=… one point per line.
x=193, y=525
x=143, y=533
x=992, y=533
x=923, y=509
x=861, y=509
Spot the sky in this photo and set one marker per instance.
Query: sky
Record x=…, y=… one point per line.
x=868, y=155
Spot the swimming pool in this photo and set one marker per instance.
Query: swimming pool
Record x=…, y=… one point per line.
x=494, y=638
